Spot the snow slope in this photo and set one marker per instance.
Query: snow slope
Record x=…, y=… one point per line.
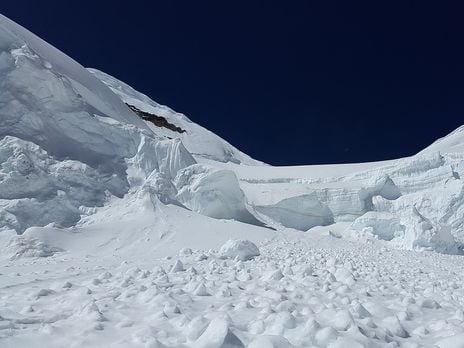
x=452, y=143
x=198, y=140
x=117, y=231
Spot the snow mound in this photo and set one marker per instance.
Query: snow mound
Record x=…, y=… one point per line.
x=212, y=192
x=238, y=248
x=382, y=225
x=218, y=335
x=20, y=246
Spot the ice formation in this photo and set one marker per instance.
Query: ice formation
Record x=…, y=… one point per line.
x=212, y=192
x=117, y=231
x=70, y=143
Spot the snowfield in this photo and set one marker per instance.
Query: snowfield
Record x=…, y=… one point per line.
x=123, y=231
x=301, y=291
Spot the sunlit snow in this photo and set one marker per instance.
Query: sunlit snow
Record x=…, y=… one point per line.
x=117, y=233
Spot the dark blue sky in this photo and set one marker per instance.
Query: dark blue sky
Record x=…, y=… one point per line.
x=289, y=82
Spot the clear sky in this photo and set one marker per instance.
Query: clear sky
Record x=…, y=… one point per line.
x=288, y=82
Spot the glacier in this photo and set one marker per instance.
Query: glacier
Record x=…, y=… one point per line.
x=71, y=142
x=163, y=234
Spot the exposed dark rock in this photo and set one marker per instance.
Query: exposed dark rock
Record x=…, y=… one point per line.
x=158, y=121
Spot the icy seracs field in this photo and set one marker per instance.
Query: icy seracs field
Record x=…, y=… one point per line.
x=121, y=232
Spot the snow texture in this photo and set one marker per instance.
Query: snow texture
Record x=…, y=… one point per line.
x=116, y=232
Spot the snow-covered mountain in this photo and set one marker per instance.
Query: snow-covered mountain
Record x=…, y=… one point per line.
x=97, y=177
x=385, y=200
x=199, y=141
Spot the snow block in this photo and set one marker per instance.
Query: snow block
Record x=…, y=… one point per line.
x=218, y=335
x=382, y=225
x=238, y=248
x=212, y=192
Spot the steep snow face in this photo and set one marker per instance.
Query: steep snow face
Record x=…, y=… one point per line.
x=49, y=99
x=202, y=143
x=24, y=50
x=66, y=140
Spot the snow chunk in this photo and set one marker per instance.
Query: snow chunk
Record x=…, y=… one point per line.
x=166, y=156
x=239, y=248
x=212, y=192
x=273, y=275
x=383, y=225
x=423, y=234
x=178, y=267
x=218, y=335
x=270, y=341
x=201, y=290
x=393, y=325
x=342, y=320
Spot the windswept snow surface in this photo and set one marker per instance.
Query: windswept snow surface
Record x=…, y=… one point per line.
x=115, y=232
